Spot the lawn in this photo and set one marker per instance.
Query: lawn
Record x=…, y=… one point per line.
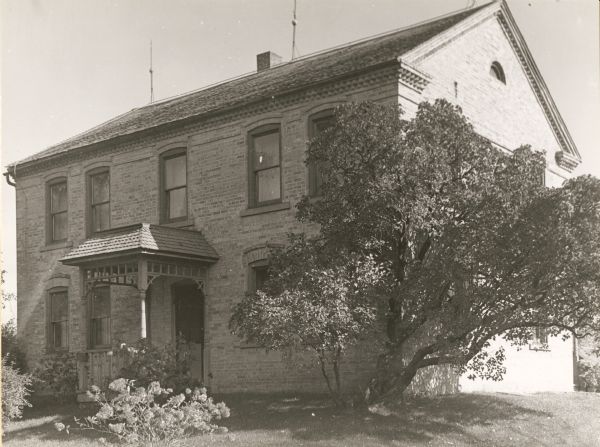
x=546, y=419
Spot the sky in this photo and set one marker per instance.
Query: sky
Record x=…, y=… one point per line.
x=68, y=65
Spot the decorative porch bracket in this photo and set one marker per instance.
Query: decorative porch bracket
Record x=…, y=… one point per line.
x=141, y=274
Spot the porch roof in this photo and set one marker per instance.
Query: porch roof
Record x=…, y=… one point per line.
x=143, y=239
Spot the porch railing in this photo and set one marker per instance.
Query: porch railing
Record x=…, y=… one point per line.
x=99, y=368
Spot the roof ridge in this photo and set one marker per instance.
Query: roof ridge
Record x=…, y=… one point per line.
x=315, y=53
x=189, y=103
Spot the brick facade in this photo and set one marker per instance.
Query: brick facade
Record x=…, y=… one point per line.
x=217, y=149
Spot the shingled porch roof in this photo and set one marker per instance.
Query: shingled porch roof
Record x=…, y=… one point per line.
x=281, y=79
x=143, y=239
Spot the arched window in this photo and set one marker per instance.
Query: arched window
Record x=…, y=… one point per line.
x=264, y=155
x=57, y=316
x=497, y=72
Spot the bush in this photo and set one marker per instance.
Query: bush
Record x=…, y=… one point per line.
x=10, y=347
x=57, y=376
x=588, y=364
x=15, y=391
x=169, y=365
x=152, y=415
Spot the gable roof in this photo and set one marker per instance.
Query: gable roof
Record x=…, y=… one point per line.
x=328, y=65
x=145, y=239
x=287, y=77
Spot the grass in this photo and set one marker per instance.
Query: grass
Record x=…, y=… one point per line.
x=570, y=419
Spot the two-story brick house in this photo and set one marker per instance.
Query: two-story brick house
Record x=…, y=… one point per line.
x=156, y=222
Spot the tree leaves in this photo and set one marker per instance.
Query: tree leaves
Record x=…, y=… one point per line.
x=466, y=242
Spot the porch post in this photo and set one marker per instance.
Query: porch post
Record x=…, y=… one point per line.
x=143, y=313
x=142, y=287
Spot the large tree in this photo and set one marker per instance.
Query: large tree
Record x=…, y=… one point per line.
x=471, y=243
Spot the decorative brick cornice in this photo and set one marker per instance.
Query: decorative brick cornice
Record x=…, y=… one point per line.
x=386, y=73
x=411, y=77
x=566, y=160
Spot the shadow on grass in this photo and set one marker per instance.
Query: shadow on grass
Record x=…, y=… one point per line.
x=313, y=418
x=38, y=424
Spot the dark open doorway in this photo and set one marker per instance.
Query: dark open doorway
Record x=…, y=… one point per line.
x=188, y=303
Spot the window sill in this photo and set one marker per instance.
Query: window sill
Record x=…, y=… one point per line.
x=249, y=346
x=57, y=351
x=99, y=349
x=56, y=246
x=179, y=224
x=539, y=347
x=266, y=209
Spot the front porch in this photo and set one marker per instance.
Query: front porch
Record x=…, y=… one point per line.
x=141, y=282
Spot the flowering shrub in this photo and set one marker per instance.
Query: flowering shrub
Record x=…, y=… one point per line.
x=169, y=364
x=57, y=376
x=10, y=346
x=15, y=391
x=146, y=416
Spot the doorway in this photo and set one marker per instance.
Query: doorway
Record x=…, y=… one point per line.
x=188, y=303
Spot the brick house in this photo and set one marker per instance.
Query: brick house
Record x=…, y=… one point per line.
x=156, y=222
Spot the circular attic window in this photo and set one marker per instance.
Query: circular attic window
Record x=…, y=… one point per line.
x=497, y=72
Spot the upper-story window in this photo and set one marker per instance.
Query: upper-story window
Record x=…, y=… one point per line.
x=58, y=320
x=57, y=210
x=99, y=200
x=318, y=123
x=265, y=166
x=497, y=71
x=174, y=186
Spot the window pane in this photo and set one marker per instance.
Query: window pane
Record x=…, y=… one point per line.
x=58, y=305
x=317, y=179
x=268, y=185
x=541, y=334
x=101, y=331
x=101, y=302
x=101, y=217
x=176, y=203
x=100, y=188
x=59, y=226
x=175, y=172
x=316, y=168
x=322, y=124
x=266, y=151
x=58, y=197
x=59, y=334
x=261, y=274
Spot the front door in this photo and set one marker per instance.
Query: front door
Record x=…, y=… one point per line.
x=189, y=323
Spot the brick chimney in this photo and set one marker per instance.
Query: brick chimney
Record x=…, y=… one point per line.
x=267, y=60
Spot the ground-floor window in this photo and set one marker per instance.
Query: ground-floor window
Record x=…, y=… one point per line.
x=58, y=325
x=100, y=318
x=539, y=341
x=261, y=275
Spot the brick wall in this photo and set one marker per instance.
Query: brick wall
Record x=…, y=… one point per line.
x=217, y=182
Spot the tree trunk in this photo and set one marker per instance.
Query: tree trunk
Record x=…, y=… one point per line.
x=336, y=372
x=393, y=377
x=335, y=395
